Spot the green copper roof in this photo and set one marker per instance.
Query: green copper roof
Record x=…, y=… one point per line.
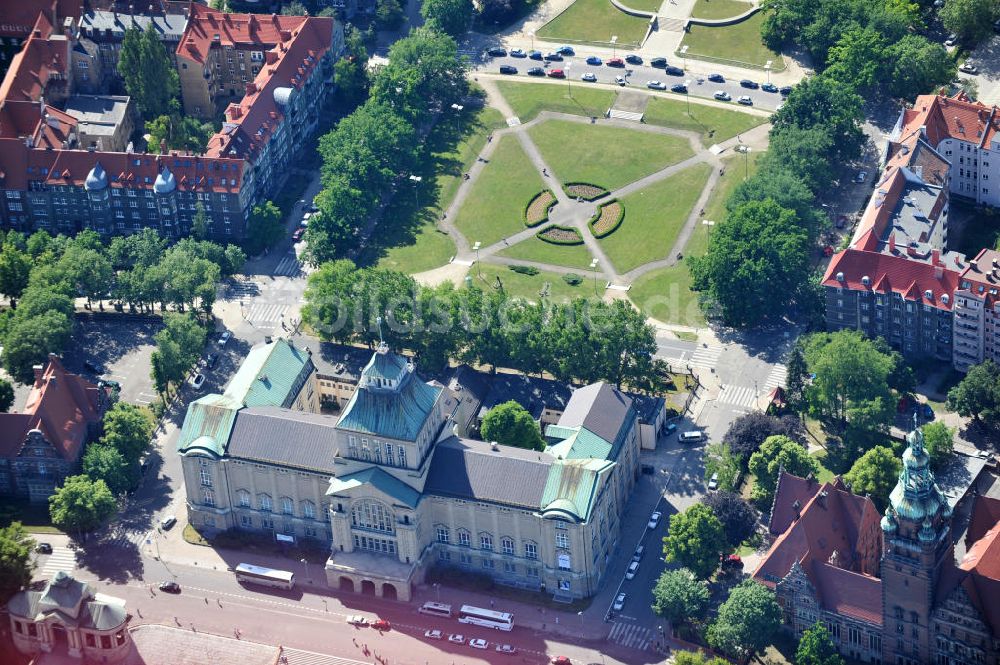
x=207, y=424
x=572, y=487
x=580, y=443
x=916, y=495
x=380, y=480
x=270, y=375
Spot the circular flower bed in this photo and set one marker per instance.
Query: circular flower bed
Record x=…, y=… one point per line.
x=585, y=190
x=560, y=235
x=537, y=210
x=608, y=218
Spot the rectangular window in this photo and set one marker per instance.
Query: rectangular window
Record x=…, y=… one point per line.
x=562, y=540
x=389, y=455
x=246, y=520
x=444, y=555
x=402, y=456
x=507, y=545
x=443, y=535
x=265, y=502
x=854, y=635
x=244, y=499
x=486, y=542
x=208, y=497
x=464, y=539
x=287, y=506
x=488, y=563
x=531, y=572
x=309, y=510
x=530, y=551
x=206, y=477
x=564, y=562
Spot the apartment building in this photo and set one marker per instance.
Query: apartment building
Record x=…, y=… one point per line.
x=977, y=311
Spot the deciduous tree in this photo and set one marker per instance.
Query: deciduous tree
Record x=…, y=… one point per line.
x=150, y=77
x=747, y=621
x=971, y=20
x=695, y=540
x=939, y=439
x=81, y=504
x=875, y=473
x=128, y=429
x=816, y=647
x=449, y=16
x=6, y=395
x=680, y=597
x=16, y=562
x=978, y=394
x=739, y=519
x=511, y=425
x=776, y=453
x=104, y=462
x=264, y=227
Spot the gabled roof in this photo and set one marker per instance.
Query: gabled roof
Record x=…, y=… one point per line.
x=43, y=57
x=18, y=16
x=61, y=405
x=790, y=496
x=207, y=28
x=284, y=437
x=384, y=482
x=600, y=408
x=956, y=117
x=896, y=274
x=572, y=488
x=269, y=374
x=208, y=424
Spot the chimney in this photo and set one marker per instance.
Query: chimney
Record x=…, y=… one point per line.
x=797, y=507
x=935, y=256
x=251, y=88
x=270, y=57
x=821, y=499
x=892, y=243
x=39, y=370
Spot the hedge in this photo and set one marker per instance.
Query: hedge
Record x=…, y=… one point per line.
x=531, y=271
x=555, y=240
x=609, y=207
x=572, y=279
x=544, y=217
x=584, y=190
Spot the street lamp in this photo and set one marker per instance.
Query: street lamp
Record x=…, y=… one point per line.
x=532, y=35
x=745, y=149
x=416, y=180
x=305, y=563
x=614, y=40
x=708, y=223
x=566, y=71
x=767, y=68
x=437, y=589
x=683, y=52
x=687, y=95
x=479, y=266
x=593, y=266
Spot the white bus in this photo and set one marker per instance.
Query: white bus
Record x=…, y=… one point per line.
x=249, y=574
x=486, y=618
x=436, y=609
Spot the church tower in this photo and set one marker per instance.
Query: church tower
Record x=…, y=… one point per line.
x=915, y=544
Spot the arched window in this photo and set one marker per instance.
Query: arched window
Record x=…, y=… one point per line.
x=507, y=545
x=464, y=539
x=309, y=510
x=264, y=501
x=287, y=505
x=244, y=498
x=485, y=541
x=370, y=514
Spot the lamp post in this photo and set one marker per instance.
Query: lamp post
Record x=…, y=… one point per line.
x=479, y=267
x=305, y=564
x=709, y=224
x=746, y=161
x=684, y=60
x=416, y=180
x=437, y=589
x=593, y=266
x=687, y=95
x=532, y=35
x=566, y=71
x=767, y=68
x=614, y=41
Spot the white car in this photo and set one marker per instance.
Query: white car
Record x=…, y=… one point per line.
x=589, y=77
x=479, y=643
x=745, y=100
x=654, y=520
x=633, y=568
x=224, y=338
x=197, y=380
x=722, y=96
x=357, y=620
x=619, y=602
x=456, y=639
x=506, y=648
x=713, y=482
x=432, y=634
x=620, y=80
x=656, y=85
x=968, y=68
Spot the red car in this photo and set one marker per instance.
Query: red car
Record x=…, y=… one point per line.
x=616, y=62
x=380, y=625
x=297, y=236
x=557, y=74
x=560, y=660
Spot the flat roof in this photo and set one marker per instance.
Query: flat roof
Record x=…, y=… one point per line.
x=97, y=114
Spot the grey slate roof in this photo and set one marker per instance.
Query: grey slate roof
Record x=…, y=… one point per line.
x=73, y=601
x=598, y=407
x=169, y=27
x=288, y=438
x=469, y=469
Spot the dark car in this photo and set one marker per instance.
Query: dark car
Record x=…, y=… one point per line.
x=497, y=52
x=716, y=78
x=212, y=359
x=658, y=62
x=565, y=50
x=535, y=55
x=679, y=87
x=747, y=83
x=43, y=548
x=170, y=587
x=507, y=69
x=593, y=60
x=616, y=62
x=674, y=71
x=769, y=87
x=536, y=71
x=785, y=90
x=553, y=57
x=633, y=59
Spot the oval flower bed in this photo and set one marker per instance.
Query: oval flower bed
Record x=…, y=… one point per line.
x=560, y=235
x=584, y=190
x=537, y=210
x=608, y=218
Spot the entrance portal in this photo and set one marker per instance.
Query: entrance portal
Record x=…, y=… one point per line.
x=368, y=588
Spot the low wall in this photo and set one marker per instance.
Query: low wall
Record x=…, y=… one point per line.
x=721, y=22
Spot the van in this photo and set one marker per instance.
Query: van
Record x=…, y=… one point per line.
x=694, y=436
x=168, y=522
x=435, y=609
x=638, y=553
x=633, y=568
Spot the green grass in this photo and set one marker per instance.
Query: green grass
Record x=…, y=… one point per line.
x=529, y=286
x=34, y=516
x=412, y=242
x=739, y=43
x=824, y=475
x=666, y=295
x=527, y=99
x=605, y=155
x=647, y=5
x=685, y=335
x=494, y=208
x=533, y=249
x=654, y=216
x=713, y=123
x=719, y=8
x=594, y=21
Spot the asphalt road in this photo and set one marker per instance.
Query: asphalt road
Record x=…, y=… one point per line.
x=637, y=76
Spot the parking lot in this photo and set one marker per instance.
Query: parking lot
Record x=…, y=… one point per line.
x=115, y=347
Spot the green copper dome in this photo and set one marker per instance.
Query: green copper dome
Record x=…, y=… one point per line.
x=916, y=497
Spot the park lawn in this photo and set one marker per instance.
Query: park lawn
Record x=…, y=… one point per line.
x=494, y=208
x=413, y=243
x=665, y=295
x=529, y=286
x=534, y=249
x=719, y=8
x=739, y=43
x=824, y=475
x=527, y=99
x=644, y=5
x=605, y=155
x=595, y=22
x=714, y=124
x=654, y=216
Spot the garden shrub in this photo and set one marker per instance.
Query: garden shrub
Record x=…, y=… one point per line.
x=560, y=235
x=572, y=279
x=608, y=218
x=530, y=271
x=585, y=190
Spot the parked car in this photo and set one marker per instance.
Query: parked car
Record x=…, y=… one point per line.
x=785, y=90
x=565, y=50
x=670, y=428
x=479, y=643
x=518, y=53
x=691, y=436
x=656, y=85
x=560, y=660
x=508, y=69
x=305, y=219
x=620, y=80
x=497, y=52
x=654, y=520
x=713, y=482
x=553, y=57
x=619, y=602
x=952, y=40
x=658, y=62
x=633, y=568
x=536, y=71
x=722, y=95
x=594, y=60
x=224, y=338
x=197, y=381
x=732, y=561
x=633, y=59
x=716, y=78
x=507, y=649
x=455, y=638
x=170, y=587
x=679, y=87
x=589, y=77
x=535, y=55
x=861, y=177
x=357, y=620
x=747, y=83
x=769, y=87
x=43, y=548
x=616, y=62
x=968, y=68
x=297, y=234
x=674, y=71
x=380, y=625
x=637, y=556
x=557, y=74
x=168, y=522
x=745, y=100
x=433, y=634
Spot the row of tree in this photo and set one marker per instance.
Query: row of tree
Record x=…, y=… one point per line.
x=582, y=340
x=371, y=150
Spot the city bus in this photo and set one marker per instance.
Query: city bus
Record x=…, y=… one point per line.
x=486, y=618
x=436, y=609
x=250, y=574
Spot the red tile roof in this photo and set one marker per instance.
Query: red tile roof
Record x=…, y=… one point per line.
x=18, y=17
x=207, y=27
x=983, y=276
x=61, y=405
x=40, y=60
x=985, y=515
x=896, y=274
x=54, y=131
x=955, y=117
x=848, y=593
x=790, y=490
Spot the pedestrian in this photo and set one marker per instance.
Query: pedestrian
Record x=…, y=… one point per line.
x=206, y=600
x=192, y=628
x=219, y=601
x=493, y=603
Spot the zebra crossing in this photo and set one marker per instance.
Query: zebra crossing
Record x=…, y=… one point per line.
x=265, y=315
x=289, y=266
x=744, y=396
x=300, y=657
x=127, y=539
x=62, y=558
x=630, y=635
x=705, y=357
x=668, y=24
x=777, y=377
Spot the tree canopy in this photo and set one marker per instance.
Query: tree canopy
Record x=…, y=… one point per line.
x=6, y=395
x=264, y=228
x=977, y=396
x=680, y=597
x=747, y=621
x=451, y=17
x=178, y=347
x=16, y=562
x=738, y=518
x=776, y=453
x=875, y=473
x=150, y=77
x=511, y=425
x=816, y=647
x=81, y=504
x=748, y=432
x=695, y=540
x=971, y=20
x=939, y=439
x=104, y=462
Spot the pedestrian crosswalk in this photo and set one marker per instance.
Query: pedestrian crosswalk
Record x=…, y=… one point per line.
x=777, y=377
x=62, y=558
x=705, y=357
x=289, y=266
x=630, y=635
x=126, y=539
x=265, y=315
x=300, y=657
x=745, y=396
